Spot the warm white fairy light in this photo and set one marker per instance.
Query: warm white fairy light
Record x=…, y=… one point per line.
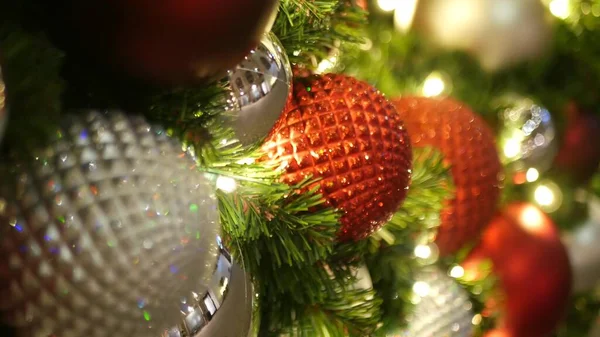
x=434, y=85
x=544, y=195
x=532, y=175
x=226, y=184
x=421, y=288
x=560, y=8
x=388, y=5
x=512, y=148
x=405, y=14
x=548, y=196
x=457, y=272
x=327, y=64
x=423, y=251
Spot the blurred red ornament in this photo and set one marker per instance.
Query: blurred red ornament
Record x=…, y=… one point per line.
x=498, y=333
x=532, y=266
x=345, y=132
x=171, y=41
x=363, y=4
x=579, y=155
x=469, y=147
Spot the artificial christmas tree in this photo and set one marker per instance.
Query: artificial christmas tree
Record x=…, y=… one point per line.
x=332, y=217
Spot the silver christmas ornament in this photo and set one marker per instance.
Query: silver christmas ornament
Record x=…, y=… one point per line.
x=260, y=86
x=112, y=231
x=442, y=307
x=527, y=135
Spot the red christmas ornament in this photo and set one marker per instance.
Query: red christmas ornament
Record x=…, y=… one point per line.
x=469, y=147
x=345, y=132
x=579, y=154
x=171, y=41
x=533, y=268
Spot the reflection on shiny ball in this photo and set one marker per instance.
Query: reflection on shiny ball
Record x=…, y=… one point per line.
x=527, y=135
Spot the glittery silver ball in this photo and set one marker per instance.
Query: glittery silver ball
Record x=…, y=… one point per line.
x=3, y=112
x=260, y=86
x=527, y=135
x=112, y=231
x=442, y=307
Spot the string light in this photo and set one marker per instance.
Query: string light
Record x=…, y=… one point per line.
x=512, y=148
x=560, y=8
x=427, y=253
x=548, y=196
x=423, y=251
x=544, y=195
x=226, y=184
x=457, y=272
x=421, y=288
x=477, y=319
x=532, y=175
x=405, y=14
x=327, y=64
x=388, y=5
x=435, y=84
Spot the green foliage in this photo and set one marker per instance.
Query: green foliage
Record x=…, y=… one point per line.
x=30, y=69
x=581, y=316
x=286, y=239
x=399, y=63
x=392, y=263
x=310, y=30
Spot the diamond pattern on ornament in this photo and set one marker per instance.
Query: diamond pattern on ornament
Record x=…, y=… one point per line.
x=346, y=133
x=111, y=225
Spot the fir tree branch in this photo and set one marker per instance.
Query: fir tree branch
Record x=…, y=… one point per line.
x=429, y=191
x=309, y=30
x=391, y=259
x=345, y=311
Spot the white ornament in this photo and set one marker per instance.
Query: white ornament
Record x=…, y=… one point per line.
x=498, y=32
x=584, y=251
x=260, y=86
x=113, y=231
x=442, y=307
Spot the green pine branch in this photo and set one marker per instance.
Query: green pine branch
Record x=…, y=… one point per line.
x=309, y=30
x=391, y=262
x=429, y=191
x=344, y=311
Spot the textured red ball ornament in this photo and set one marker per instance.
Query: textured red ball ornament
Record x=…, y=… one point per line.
x=533, y=268
x=171, y=41
x=469, y=147
x=345, y=132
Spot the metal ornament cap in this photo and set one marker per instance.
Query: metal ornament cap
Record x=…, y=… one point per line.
x=260, y=87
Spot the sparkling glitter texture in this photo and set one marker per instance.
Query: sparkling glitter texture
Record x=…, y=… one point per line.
x=345, y=132
x=110, y=231
x=468, y=145
x=442, y=307
x=260, y=87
